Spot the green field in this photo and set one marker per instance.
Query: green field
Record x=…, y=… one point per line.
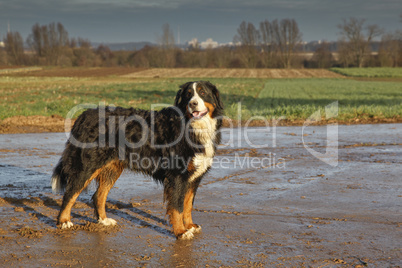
x=369, y=72
x=294, y=99
x=300, y=98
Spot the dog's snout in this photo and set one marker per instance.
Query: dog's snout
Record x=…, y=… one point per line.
x=193, y=104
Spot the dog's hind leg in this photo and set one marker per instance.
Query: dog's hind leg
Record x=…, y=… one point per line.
x=69, y=198
x=106, y=179
x=73, y=190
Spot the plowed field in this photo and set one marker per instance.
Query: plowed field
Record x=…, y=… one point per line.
x=69, y=72
x=237, y=73
x=171, y=72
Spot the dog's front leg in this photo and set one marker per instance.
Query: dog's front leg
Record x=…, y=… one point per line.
x=175, y=195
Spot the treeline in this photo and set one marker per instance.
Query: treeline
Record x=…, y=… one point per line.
x=50, y=45
x=273, y=44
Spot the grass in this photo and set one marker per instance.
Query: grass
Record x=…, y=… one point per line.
x=294, y=99
x=370, y=72
x=299, y=98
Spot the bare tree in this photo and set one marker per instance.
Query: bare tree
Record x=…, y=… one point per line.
x=57, y=42
x=322, y=56
x=266, y=32
x=48, y=42
x=356, y=41
x=3, y=57
x=165, y=56
x=35, y=40
x=106, y=55
x=390, y=52
x=344, y=54
x=166, y=40
x=247, y=34
x=286, y=38
x=281, y=38
x=248, y=38
x=14, y=46
x=84, y=54
x=267, y=42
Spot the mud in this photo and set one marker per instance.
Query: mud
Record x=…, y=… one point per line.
x=271, y=206
x=56, y=123
x=32, y=124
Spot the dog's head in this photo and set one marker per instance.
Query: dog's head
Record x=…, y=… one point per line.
x=198, y=99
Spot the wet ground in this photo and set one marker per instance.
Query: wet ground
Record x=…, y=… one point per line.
x=272, y=206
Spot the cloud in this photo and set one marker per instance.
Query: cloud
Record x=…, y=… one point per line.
x=142, y=19
x=126, y=3
x=90, y=6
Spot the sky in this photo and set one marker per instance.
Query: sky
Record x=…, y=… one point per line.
x=108, y=21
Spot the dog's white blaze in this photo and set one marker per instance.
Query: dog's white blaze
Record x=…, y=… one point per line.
x=201, y=105
x=204, y=129
x=107, y=221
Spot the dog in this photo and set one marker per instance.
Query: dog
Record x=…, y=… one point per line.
x=175, y=146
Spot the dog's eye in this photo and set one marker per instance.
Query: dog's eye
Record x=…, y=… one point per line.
x=202, y=92
x=188, y=94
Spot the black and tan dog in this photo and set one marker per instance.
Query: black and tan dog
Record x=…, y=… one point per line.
x=175, y=146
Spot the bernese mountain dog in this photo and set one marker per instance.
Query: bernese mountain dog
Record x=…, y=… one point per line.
x=175, y=146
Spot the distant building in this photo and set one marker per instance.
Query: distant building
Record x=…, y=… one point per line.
x=194, y=43
x=209, y=43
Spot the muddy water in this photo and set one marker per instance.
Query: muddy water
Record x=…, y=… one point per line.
x=267, y=202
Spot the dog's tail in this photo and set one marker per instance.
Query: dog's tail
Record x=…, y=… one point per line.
x=59, y=180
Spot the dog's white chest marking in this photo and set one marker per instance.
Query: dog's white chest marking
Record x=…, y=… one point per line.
x=204, y=130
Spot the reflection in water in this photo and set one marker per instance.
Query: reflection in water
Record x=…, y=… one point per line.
x=182, y=254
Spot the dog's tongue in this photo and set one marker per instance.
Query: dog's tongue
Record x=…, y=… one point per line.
x=198, y=114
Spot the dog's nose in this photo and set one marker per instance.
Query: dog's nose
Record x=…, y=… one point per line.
x=193, y=104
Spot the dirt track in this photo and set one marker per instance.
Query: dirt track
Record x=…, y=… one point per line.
x=295, y=212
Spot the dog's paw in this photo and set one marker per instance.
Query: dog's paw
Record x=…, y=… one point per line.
x=195, y=229
x=66, y=225
x=107, y=222
x=187, y=235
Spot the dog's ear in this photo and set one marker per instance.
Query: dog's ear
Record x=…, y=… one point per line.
x=216, y=94
x=179, y=95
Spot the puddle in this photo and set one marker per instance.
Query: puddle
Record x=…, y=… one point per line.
x=267, y=201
